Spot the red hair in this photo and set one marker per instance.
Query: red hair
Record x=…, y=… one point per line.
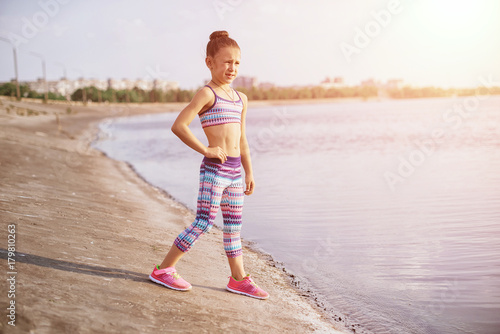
x=219, y=40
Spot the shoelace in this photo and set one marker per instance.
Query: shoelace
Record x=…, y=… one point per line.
x=175, y=275
x=253, y=283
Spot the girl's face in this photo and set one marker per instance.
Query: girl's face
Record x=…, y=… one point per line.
x=224, y=66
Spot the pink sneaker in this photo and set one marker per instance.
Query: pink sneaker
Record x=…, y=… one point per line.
x=170, y=278
x=246, y=287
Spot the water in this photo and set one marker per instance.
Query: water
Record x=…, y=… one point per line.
x=389, y=210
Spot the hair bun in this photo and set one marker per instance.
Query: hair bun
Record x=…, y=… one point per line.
x=218, y=34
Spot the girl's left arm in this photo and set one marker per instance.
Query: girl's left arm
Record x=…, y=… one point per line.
x=246, y=160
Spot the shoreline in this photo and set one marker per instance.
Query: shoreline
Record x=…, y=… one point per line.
x=301, y=286
x=177, y=106
x=84, y=218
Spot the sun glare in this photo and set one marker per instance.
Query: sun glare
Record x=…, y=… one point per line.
x=455, y=39
x=452, y=19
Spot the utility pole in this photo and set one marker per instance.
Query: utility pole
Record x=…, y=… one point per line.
x=46, y=88
x=84, y=96
x=64, y=80
x=18, y=91
x=64, y=69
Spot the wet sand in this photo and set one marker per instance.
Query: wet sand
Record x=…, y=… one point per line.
x=89, y=230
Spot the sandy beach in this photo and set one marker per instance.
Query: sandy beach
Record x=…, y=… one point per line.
x=88, y=231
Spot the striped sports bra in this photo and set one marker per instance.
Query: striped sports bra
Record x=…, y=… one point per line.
x=222, y=111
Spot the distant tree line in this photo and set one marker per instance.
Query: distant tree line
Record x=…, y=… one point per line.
x=94, y=94
x=318, y=92
x=9, y=89
x=137, y=95
x=409, y=92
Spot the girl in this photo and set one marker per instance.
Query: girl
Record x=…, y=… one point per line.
x=222, y=112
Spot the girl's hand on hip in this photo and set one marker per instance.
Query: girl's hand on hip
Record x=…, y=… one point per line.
x=217, y=153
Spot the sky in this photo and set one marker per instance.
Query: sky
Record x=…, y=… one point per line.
x=446, y=43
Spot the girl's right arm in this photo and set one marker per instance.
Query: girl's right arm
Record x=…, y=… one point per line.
x=181, y=126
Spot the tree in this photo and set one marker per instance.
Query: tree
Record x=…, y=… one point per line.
x=9, y=89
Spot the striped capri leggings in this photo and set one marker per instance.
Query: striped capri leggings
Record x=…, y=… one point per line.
x=221, y=185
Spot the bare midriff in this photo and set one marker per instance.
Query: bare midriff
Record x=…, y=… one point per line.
x=226, y=136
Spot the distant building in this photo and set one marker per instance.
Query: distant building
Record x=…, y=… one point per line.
x=165, y=85
x=37, y=86
x=146, y=85
x=266, y=85
x=127, y=84
x=245, y=82
x=115, y=84
x=99, y=84
x=67, y=87
x=394, y=84
x=336, y=82
x=120, y=84
x=369, y=83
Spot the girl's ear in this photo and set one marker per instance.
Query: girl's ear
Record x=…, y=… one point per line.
x=209, y=62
